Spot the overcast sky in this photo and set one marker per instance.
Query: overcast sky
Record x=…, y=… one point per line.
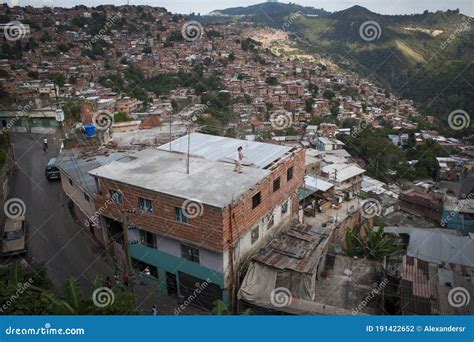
x=206, y=6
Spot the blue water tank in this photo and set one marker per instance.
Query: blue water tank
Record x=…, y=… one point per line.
x=90, y=130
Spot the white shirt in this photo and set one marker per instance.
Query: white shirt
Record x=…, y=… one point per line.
x=236, y=156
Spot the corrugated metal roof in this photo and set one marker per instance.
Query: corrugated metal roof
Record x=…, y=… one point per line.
x=218, y=148
x=299, y=249
x=77, y=167
x=317, y=183
x=437, y=245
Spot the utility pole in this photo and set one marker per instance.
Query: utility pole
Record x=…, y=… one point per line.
x=125, y=237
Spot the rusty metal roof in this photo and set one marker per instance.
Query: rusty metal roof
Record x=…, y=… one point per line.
x=298, y=249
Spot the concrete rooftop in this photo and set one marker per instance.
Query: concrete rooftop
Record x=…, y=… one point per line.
x=209, y=182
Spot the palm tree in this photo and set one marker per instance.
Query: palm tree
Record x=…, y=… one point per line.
x=374, y=244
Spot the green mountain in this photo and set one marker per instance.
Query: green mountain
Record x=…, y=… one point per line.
x=427, y=57
x=271, y=9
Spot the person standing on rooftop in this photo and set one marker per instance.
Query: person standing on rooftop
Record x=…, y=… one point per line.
x=238, y=156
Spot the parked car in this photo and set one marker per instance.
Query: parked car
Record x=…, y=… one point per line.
x=52, y=171
x=13, y=237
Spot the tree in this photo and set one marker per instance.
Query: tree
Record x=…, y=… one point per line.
x=328, y=94
x=271, y=80
x=58, y=78
x=121, y=117
x=309, y=105
x=25, y=292
x=373, y=245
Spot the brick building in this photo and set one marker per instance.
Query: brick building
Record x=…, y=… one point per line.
x=191, y=227
x=429, y=205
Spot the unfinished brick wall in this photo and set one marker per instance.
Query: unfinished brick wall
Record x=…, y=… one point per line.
x=244, y=216
x=211, y=230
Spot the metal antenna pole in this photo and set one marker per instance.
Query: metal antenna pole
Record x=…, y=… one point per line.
x=189, y=144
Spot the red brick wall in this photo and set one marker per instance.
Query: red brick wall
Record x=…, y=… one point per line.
x=212, y=229
x=244, y=217
x=205, y=230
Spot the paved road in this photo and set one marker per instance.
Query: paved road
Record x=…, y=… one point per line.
x=53, y=236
